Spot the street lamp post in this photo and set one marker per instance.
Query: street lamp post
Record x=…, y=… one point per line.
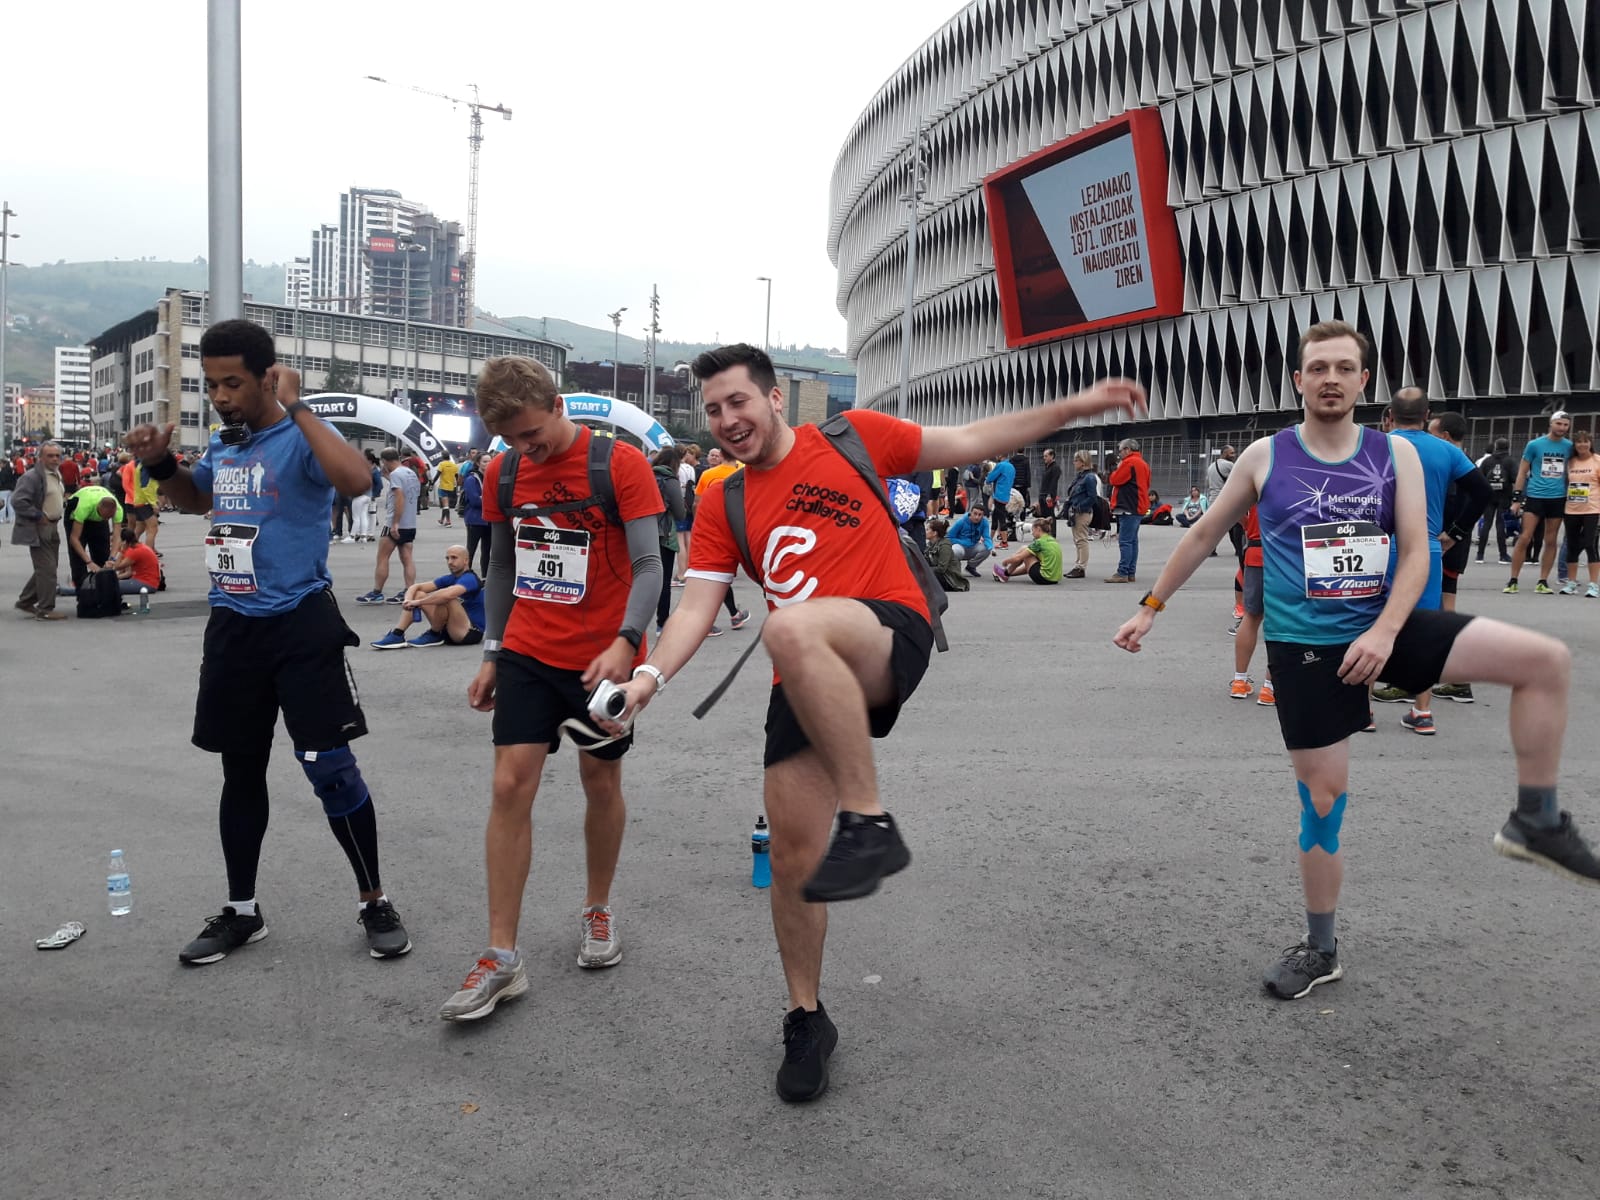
x=915, y=184
x=6, y=235
x=766, y=337
x=616, y=344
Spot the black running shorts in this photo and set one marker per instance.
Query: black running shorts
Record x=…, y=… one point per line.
x=532, y=698
x=1455, y=562
x=254, y=666
x=1316, y=708
x=908, y=661
x=1546, y=507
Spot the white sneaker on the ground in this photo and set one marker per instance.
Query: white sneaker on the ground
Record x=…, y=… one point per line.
x=601, y=945
x=346, y=540
x=489, y=982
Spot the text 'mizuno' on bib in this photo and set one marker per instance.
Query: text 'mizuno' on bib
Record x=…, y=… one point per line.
x=552, y=564
x=1344, y=560
x=230, y=557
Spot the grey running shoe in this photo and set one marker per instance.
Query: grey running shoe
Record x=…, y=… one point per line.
x=602, y=944
x=489, y=982
x=223, y=934
x=386, y=936
x=1560, y=848
x=1302, y=968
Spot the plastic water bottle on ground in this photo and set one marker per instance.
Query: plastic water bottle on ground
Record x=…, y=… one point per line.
x=760, y=854
x=119, y=888
x=144, y=601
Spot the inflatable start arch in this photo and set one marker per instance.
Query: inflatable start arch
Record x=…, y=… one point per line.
x=344, y=408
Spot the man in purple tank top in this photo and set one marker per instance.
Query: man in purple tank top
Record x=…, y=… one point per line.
x=1344, y=530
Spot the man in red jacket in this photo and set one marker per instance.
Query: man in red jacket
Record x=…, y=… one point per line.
x=1130, y=500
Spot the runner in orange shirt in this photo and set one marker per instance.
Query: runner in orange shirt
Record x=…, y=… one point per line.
x=573, y=582
x=848, y=633
x=718, y=467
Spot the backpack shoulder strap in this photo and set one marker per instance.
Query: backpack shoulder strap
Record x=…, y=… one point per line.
x=509, y=462
x=842, y=436
x=601, y=486
x=733, y=505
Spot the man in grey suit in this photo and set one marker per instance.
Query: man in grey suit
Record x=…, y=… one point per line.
x=39, y=501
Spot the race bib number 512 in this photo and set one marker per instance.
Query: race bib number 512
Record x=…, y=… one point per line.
x=1344, y=560
x=552, y=564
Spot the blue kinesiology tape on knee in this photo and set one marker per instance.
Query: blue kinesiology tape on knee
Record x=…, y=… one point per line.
x=335, y=778
x=1320, y=831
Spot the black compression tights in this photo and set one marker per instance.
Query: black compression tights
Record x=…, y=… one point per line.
x=242, y=817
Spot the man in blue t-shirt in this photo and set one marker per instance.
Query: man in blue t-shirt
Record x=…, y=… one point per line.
x=1443, y=464
x=1541, y=496
x=1003, y=476
x=452, y=605
x=970, y=538
x=275, y=639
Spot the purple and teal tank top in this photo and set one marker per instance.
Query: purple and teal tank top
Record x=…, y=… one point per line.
x=1327, y=540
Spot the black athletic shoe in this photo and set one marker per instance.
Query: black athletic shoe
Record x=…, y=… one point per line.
x=386, y=937
x=1302, y=968
x=1560, y=849
x=862, y=854
x=808, y=1039
x=223, y=934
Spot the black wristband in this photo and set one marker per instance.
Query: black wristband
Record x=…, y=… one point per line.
x=632, y=636
x=164, y=469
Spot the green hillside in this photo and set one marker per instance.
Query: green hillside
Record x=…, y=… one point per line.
x=593, y=345
x=66, y=304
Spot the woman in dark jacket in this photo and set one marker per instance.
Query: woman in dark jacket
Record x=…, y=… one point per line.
x=665, y=467
x=478, y=530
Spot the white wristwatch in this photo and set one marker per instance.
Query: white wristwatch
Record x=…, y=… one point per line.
x=654, y=673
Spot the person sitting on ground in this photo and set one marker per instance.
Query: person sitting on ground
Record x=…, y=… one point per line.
x=137, y=567
x=452, y=605
x=1040, y=561
x=1193, y=507
x=942, y=557
x=971, y=539
x=1160, y=512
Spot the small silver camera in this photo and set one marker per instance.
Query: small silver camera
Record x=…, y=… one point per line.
x=606, y=702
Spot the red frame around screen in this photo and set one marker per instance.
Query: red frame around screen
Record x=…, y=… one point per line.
x=1160, y=226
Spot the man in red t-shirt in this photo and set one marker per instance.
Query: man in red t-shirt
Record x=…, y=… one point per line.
x=569, y=594
x=1249, y=627
x=848, y=633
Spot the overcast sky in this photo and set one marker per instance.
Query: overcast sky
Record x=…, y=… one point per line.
x=686, y=144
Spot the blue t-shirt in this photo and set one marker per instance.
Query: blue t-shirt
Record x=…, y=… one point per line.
x=472, y=600
x=267, y=549
x=1442, y=464
x=1003, y=477
x=1547, y=467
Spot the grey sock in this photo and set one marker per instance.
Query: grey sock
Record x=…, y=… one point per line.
x=1319, y=931
x=1537, y=806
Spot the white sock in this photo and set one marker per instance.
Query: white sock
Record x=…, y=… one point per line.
x=245, y=908
x=505, y=956
x=361, y=905
x=1240, y=676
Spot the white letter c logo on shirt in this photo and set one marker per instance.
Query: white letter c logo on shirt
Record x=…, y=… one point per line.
x=787, y=541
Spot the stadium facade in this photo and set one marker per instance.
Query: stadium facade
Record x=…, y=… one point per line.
x=1428, y=171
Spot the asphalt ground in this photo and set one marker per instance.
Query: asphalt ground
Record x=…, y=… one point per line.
x=1060, y=998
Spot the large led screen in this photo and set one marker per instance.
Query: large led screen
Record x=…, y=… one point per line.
x=1083, y=236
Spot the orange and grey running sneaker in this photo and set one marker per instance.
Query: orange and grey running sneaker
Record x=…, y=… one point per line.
x=602, y=944
x=490, y=981
x=1240, y=689
x=1266, y=696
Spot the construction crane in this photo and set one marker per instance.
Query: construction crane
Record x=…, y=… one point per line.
x=475, y=140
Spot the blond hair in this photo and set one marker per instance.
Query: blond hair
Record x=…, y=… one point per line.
x=509, y=384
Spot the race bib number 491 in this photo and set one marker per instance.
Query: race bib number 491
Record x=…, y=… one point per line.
x=1344, y=560
x=552, y=564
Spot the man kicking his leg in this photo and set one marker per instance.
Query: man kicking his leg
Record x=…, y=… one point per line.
x=848, y=631
x=1334, y=496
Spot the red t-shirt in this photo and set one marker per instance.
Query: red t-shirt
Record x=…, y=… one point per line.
x=1252, y=537
x=146, y=567
x=814, y=527
x=69, y=473
x=573, y=570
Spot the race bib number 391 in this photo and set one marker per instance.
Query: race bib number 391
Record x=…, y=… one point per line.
x=230, y=557
x=552, y=564
x=1344, y=560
